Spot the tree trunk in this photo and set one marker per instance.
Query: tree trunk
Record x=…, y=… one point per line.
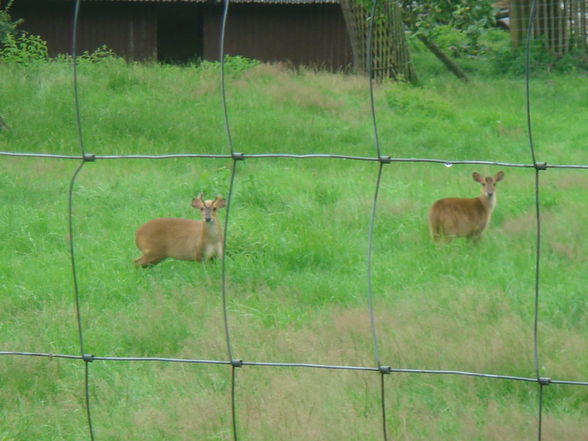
x=442, y=56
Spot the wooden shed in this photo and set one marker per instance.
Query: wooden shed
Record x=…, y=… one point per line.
x=301, y=32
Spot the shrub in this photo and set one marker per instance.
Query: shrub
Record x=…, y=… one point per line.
x=7, y=26
x=233, y=64
x=23, y=49
x=101, y=54
x=512, y=61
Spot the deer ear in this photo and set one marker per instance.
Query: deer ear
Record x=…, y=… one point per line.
x=197, y=202
x=476, y=177
x=219, y=202
x=499, y=176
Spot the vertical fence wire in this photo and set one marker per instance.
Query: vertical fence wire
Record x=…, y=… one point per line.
x=235, y=158
x=233, y=170
x=74, y=51
x=77, y=298
x=74, y=58
x=538, y=167
x=234, y=363
x=540, y=412
x=527, y=79
x=225, y=15
x=370, y=72
x=369, y=266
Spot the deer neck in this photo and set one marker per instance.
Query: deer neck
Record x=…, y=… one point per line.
x=489, y=203
x=212, y=230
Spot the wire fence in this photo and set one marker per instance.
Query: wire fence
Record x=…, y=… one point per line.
x=382, y=370
x=560, y=25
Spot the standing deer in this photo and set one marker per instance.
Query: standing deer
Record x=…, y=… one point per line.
x=459, y=217
x=184, y=239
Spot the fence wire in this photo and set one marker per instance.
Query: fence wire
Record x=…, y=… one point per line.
x=86, y=358
x=542, y=382
x=382, y=370
x=559, y=26
x=241, y=156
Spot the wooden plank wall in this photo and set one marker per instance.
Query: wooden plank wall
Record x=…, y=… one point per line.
x=308, y=34
x=298, y=34
x=129, y=30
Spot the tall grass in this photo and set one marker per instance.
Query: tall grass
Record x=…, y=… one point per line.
x=296, y=257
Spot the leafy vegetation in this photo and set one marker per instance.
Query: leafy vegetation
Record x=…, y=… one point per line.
x=24, y=49
x=296, y=255
x=7, y=24
x=469, y=18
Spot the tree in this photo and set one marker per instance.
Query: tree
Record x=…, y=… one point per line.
x=471, y=17
x=424, y=18
x=7, y=26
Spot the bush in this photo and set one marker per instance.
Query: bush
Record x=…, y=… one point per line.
x=23, y=49
x=512, y=61
x=101, y=54
x=233, y=64
x=7, y=26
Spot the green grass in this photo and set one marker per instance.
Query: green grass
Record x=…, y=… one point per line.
x=296, y=257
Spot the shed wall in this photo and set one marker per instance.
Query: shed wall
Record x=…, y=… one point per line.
x=130, y=30
x=301, y=34
x=308, y=34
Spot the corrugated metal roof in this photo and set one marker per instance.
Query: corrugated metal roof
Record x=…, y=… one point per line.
x=273, y=2
x=286, y=1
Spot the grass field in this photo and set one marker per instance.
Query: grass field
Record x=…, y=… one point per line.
x=296, y=257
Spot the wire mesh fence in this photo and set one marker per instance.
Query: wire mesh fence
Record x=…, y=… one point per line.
x=379, y=368
x=560, y=25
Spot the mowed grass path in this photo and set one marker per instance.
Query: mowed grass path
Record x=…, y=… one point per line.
x=296, y=257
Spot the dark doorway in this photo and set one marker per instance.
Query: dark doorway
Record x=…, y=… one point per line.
x=179, y=35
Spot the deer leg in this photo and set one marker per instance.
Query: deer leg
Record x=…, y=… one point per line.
x=144, y=261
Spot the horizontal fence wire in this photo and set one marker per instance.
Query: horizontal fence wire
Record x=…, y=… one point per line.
x=244, y=363
x=235, y=157
x=385, y=159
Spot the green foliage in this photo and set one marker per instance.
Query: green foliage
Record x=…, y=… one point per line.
x=458, y=44
x=233, y=64
x=466, y=30
x=99, y=55
x=495, y=57
x=506, y=60
x=469, y=17
x=23, y=49
x=7, y=25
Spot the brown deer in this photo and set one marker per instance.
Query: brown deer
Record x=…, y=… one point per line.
x=184, y=239
x=464, y=217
